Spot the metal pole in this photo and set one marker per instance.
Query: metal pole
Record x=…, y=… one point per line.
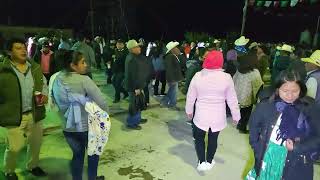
x=317, y=30
x=316, y=34
x=123, y=19
x=92, y=19
x=244, y=16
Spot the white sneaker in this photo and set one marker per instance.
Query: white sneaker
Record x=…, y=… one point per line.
x=202, y=166
x=210, y=165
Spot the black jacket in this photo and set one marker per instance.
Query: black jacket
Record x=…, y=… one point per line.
x=195, y=67
x=298, y=163
x=136, y=72
x=173, y=68
x=118, y=65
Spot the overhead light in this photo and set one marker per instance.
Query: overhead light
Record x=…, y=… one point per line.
x=294, y=3
x=267, y=3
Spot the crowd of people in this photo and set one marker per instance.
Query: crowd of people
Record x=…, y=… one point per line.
x=271, y=91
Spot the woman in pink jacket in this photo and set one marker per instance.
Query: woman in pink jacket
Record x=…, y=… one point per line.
x=209, y=90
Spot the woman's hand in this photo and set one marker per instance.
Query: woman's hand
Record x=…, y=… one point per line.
x=289, y=144
x=190, y=116
x=234, y=122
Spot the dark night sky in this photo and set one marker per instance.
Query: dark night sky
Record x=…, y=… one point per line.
x=163, y=17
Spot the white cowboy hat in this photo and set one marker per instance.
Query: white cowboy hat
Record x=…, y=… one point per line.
x=314, y=58
x=132, y=44
x=216, y=41
x=171, y=45
x=241, y=41
x=253, y=45
x=286, y=47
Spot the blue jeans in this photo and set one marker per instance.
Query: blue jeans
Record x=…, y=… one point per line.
x=134, y=120
x=78, y=142
x=171, y=98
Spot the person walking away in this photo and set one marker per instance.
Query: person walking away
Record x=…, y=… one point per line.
x=209, y=91
x=248, y=82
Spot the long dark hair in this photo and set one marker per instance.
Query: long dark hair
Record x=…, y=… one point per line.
x=290, y=76
x=71, y=57
x=247, y=62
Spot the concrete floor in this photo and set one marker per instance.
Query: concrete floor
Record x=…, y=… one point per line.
x=162, y=150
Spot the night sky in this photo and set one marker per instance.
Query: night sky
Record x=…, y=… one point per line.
x=169, y=18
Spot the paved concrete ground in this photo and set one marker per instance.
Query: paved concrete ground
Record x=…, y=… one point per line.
x=162, y=150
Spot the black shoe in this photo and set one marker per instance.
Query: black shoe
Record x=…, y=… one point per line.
x=116, y=101
x=100, y=178
x=37, y=171
x=134, y=127
x=143, y=121
x=125, y=96
x=11, y=176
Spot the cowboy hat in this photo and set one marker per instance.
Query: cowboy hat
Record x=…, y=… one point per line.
x=216, y=41
x=132, y=44
x=253, y=45
x=171, y=45
x=241, y=41
x=313, y=59
x=286, y=47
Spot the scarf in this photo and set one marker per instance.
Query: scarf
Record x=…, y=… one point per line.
x=293, y=124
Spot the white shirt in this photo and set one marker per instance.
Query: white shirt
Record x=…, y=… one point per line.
x=101, y=48
x=312, y=86
x=275, y=132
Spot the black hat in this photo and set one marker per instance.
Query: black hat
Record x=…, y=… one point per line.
x=120, y=41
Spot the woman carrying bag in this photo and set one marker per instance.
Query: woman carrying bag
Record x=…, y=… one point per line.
x=75, y=95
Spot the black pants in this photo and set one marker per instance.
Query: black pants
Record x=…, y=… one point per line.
x=146, y=93
x=117, y=84
x=160, y=77
x=245, y=115
x=98, y=61
x=199, y=136
x=109, y=74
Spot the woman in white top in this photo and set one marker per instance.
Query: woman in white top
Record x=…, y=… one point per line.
x=247, y=82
